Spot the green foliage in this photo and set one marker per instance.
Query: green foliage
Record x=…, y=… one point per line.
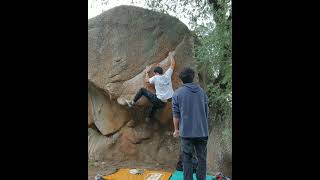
x=226, y=134
x=196, y=11
x=215, y=55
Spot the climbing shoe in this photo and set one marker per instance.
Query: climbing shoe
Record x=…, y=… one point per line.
x=130, y=103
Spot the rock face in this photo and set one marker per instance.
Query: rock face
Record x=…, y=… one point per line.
x=121, y=43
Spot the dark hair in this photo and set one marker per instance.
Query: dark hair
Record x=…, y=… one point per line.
x=158, y=70
x=187, y=75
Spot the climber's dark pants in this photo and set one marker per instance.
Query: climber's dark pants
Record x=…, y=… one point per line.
x=156, y=103
x=200, y=146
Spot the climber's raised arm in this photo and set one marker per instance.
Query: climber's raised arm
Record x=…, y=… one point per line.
x=146, y=72
x=169, y=72
x=173, y=62
x=147, y=77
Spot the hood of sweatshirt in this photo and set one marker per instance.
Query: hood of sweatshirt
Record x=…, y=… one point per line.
x=192, y=87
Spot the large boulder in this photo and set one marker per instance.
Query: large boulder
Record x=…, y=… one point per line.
x=121, y=43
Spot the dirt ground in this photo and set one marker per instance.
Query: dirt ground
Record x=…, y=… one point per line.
x=106, y=168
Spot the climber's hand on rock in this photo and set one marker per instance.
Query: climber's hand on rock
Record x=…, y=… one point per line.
x=176, y=133
x=171, y=54
x=147, y=69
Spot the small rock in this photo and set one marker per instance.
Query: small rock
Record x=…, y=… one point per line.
x=96, y=164
x=103, y=163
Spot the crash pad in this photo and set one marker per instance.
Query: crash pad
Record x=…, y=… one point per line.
x=178, y=175
x=124, y=174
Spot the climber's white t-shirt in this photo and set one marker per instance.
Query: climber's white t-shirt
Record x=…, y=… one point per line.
x=163, y=85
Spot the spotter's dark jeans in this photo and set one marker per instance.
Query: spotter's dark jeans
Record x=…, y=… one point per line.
x=200, y=147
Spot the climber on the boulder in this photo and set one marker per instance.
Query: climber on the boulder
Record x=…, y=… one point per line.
x=163, y=86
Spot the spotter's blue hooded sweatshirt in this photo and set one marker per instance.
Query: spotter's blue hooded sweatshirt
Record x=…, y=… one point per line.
x=190, y=106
